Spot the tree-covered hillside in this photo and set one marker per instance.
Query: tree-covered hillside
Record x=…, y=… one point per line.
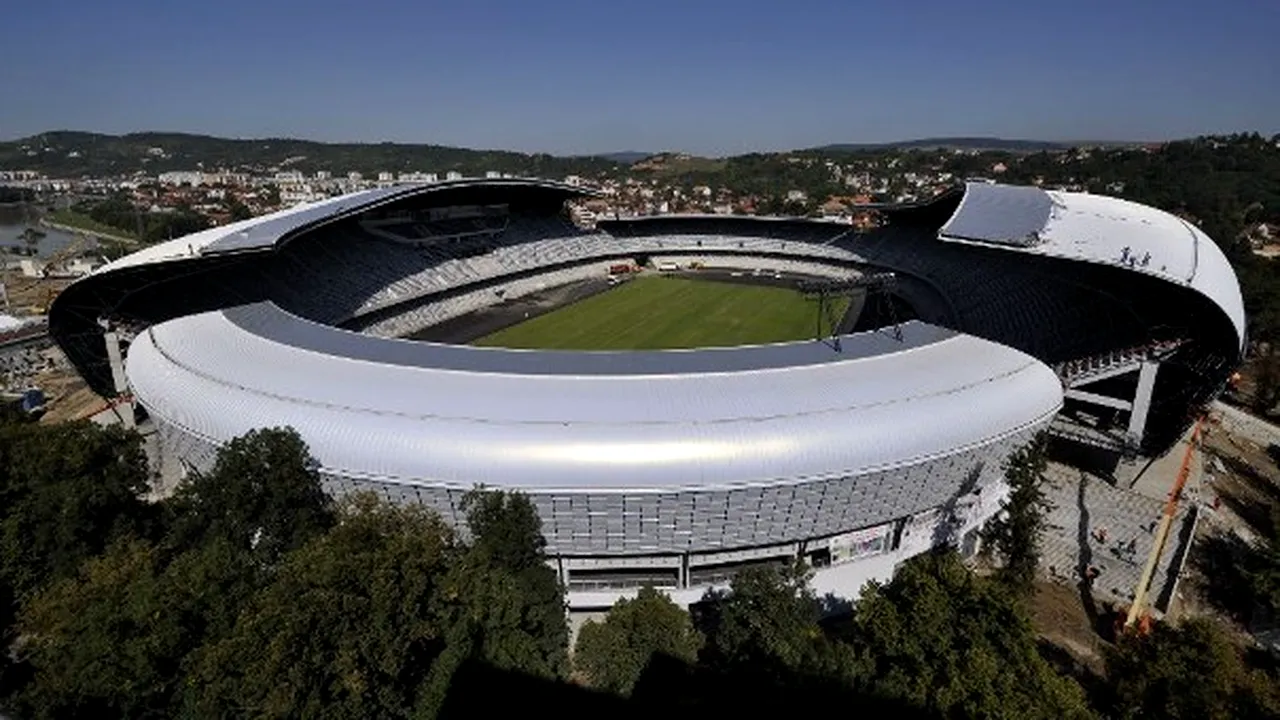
x=74, y=154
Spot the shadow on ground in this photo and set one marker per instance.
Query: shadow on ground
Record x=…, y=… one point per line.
x=1226, y=563
x=668, y=689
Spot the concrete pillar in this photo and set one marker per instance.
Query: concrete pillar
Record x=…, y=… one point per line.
x=116, y=358
x=1142, y=401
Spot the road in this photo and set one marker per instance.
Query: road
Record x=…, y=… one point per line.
x=93, y=233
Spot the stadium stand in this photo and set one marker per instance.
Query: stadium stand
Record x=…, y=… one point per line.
x=673, y=468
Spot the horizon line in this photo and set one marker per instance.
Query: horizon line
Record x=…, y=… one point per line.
x=940, y=139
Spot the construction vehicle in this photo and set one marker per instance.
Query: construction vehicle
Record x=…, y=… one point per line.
x=1137, y=619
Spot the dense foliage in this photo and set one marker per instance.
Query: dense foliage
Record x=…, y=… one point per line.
x=249, y=593
x=349, y=626
x=768, y=622
x=72, y=154
x=118, y=213
x=1185, y=671
x=1013, y=536
x=66, y=493
x=261, y=496
x=614, y=653
x=15, y=194
x=940, y=638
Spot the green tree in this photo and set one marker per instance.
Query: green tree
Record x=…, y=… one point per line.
x=1013, y=535
x=767, y=624
x=350, y=626
x=117, y=211
x=263, y=494
x=117, y=638
x=507, y=560
x=238, y=210
x=1189, y=670
x=169, y=225
x=615, y=652
x=271, y=195
x=953, y=644
x=115, y=641
x=66, y=491
x=505, y=528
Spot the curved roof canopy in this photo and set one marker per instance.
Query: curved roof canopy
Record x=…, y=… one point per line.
x=75, y=313
x=266, y=231
x=1101, y=230
x=546, y=421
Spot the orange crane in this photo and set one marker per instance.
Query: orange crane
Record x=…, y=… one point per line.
x=1137, y=611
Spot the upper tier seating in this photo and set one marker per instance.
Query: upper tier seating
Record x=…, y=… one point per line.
x=345, y=271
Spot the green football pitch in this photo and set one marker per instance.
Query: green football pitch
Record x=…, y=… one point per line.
x=663, y=312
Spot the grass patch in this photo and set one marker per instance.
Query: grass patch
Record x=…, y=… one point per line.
x=653, y=313
x=80, y=221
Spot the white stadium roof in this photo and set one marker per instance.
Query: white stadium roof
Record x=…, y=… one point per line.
x=1101, y=230
x=635, y=421
x=264, y=231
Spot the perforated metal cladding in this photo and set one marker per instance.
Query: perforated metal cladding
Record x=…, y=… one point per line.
x=603, y=523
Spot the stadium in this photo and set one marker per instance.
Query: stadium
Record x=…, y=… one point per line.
x=427, y=339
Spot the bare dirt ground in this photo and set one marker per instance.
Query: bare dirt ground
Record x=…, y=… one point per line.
x=31, y=293
x=1245, y=477
x=1060, y=618
x=67, y=397
x=1242, y=493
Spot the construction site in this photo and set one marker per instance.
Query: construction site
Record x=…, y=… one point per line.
x=1122, y=552
x=38, y=264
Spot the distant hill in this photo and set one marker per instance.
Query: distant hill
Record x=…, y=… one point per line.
x=965, y=143
x=71, y=154
x=677, y=163
x=626, y=157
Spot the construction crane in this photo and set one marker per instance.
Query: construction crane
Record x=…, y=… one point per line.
x=65, y=254
x=1137, y=611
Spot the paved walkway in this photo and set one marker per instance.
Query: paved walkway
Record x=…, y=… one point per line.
x=1094, y=524
x=1155, y=479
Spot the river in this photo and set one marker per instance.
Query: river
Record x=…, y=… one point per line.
x=15, y=219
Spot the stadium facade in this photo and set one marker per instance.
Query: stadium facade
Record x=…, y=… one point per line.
x=1014, y=310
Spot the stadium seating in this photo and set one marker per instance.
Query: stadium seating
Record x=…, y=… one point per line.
x=348, y=271
x=1006, y=297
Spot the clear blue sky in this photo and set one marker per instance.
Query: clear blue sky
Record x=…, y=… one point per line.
x=605, y=75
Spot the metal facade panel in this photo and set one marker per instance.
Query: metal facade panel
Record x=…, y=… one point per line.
x=585, y=434
x=597, y=527
x=1004, y=214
